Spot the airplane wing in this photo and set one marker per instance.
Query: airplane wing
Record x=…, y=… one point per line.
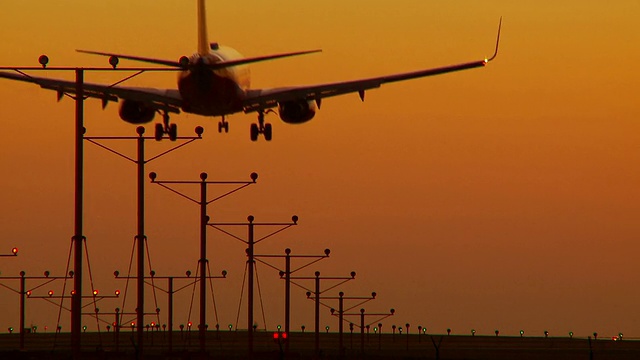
x=257, y=100
x=161, y=99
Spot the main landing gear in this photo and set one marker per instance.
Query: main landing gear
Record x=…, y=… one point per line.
x=166, y=128
x=261, y=128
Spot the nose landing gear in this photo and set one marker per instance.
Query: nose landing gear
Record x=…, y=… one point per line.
x=223, y=125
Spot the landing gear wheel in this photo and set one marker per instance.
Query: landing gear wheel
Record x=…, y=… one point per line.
x=220, y=126
x=226, y=127
x=254, y=132
x=173, y=132
x=159, y=133
x=268, y=132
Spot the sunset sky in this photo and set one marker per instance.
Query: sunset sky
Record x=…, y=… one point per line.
x=503, y=198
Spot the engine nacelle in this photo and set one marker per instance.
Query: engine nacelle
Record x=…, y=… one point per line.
x=297, y=112
x=136, y=112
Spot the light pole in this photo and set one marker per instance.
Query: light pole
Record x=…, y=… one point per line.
x=341, y=311
x=363, y=325
x=76, y=91
x=286, y=275
x=251, y=241
x=170, y=291
x=316, y=292
x=204, y=219
x=141, y=238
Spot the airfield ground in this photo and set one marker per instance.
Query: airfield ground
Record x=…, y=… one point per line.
x=233, y=345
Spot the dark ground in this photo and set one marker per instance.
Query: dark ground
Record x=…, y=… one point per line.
x=233, y=345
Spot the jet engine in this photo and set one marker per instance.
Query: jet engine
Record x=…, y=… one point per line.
x=136, y=112
x=297, y=112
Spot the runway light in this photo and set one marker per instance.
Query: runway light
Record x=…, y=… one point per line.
x=189, y=324
x=113, y=61
x=50, y=293
x=14, y=251
x=117, y=292
x=571, y=334
x=521, y=333
x=43, y=60
x=95, y=292
x=28, y=292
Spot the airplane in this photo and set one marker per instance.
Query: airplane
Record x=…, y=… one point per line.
x=215, y=82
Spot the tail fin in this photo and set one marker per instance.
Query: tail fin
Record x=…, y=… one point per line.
x=203, y=42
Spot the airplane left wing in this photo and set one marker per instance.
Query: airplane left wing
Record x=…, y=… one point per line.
x=257, y=100
x=161, y=99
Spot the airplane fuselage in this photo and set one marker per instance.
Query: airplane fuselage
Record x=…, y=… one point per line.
x=214, y=92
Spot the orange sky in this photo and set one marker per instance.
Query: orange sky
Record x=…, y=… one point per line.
x=498, y=198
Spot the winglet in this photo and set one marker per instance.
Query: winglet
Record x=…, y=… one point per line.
x=497, y=43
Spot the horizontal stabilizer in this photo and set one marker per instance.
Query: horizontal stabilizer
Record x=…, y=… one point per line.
x=214, y=66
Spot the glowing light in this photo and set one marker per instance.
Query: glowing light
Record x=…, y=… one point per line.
x=95, y=292
x=28, y=292
x=50, y=292
x=189, y=324
x=117, y=292
x=14, y=251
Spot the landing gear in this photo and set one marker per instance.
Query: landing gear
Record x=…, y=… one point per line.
x=261, y=128
x=166, y=128
x=254, y=132
x=223, y=125
x=268, y=132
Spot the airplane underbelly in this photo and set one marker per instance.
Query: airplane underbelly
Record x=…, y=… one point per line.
x=207, y=93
